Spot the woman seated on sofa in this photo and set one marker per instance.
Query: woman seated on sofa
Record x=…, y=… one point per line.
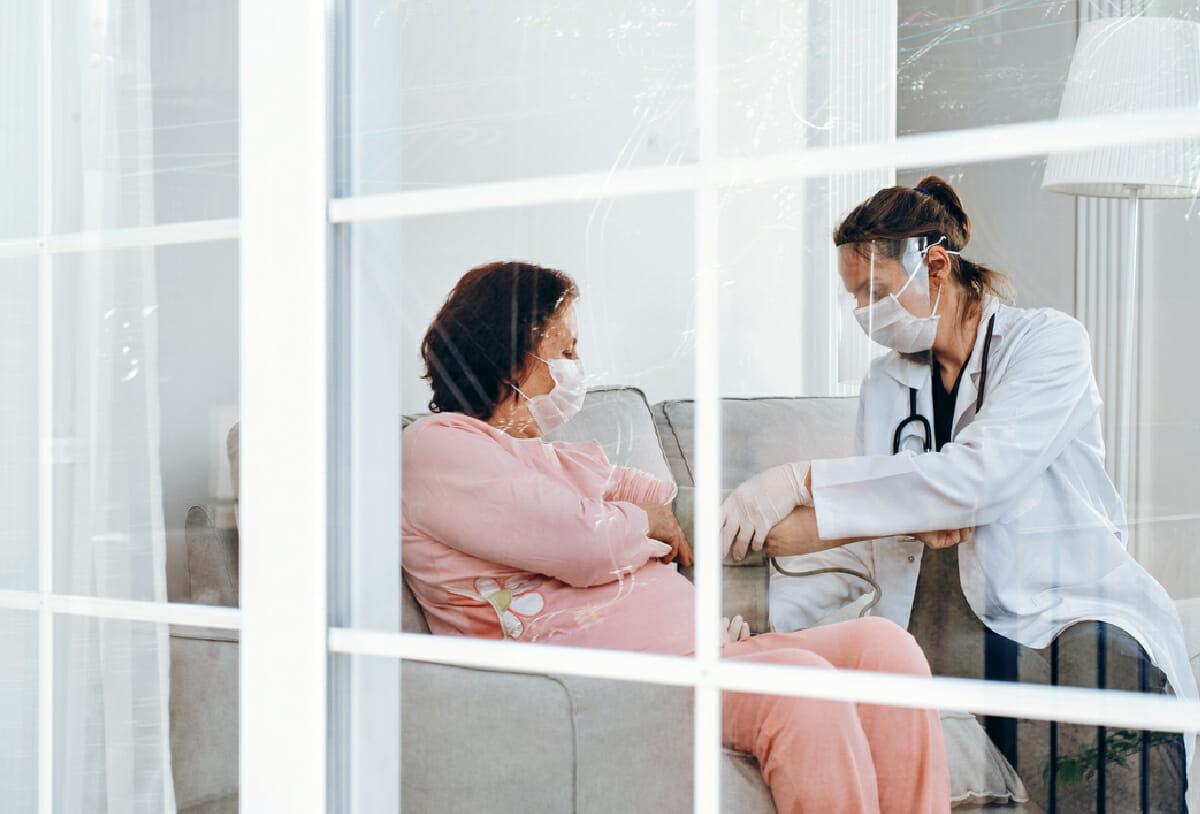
x=508, y=536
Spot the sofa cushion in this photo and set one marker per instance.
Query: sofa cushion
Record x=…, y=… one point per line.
x=757, y=433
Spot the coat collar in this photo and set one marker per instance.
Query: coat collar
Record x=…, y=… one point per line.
x=916, y=375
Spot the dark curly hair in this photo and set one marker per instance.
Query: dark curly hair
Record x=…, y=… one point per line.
x=931, y=210
x=477, y=345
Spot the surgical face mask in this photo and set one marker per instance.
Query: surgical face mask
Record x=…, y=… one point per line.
x=564, y=400
x=891, y=324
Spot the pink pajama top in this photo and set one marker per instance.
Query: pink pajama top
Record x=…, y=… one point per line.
x=535, y=541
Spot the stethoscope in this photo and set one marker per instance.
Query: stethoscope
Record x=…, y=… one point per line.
x=913, y=417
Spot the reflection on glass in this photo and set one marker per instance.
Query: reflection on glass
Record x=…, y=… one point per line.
x=19, y=411
x=20, y=142
x=632, y=259
x=198, y=355
x=1018, y=560
x=108, y=534
x=18, y=711
x=980, y=514
x=517, y=526
x=965, y=65
x=473, y=91
x=145, y=389
x=145, y=106
x=111, y=724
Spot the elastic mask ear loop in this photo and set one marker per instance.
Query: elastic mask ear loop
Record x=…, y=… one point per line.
x=513, y=385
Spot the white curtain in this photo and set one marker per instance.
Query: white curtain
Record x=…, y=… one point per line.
x=111, y=729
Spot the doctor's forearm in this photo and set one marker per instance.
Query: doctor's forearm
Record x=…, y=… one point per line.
x=797, y=534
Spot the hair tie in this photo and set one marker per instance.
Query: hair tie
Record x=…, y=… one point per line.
x=924, y=192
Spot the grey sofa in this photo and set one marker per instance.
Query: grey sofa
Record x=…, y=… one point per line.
x=482, y=740
x=584, y=745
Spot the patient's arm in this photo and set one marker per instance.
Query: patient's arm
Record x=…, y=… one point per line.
x=797, y=534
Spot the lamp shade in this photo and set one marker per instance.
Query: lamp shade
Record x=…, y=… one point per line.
x=1131, y=65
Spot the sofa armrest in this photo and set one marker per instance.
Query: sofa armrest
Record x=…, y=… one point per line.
x=477, y=740
x=480, y=740
x=212, y=560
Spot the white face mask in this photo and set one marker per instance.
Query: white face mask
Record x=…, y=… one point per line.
x=891, y=324
x=564, y=400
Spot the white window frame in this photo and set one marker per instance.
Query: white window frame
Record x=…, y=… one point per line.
x=287, y=219
x=265, y=769
x=42, y=599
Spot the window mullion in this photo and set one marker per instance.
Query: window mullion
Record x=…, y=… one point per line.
x=45, y=409
x=706, y=773
x=284, y=396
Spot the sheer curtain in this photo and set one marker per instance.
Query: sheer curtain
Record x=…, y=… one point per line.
x=111, y=729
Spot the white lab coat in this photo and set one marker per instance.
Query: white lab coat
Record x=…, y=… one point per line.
x=1027, y=473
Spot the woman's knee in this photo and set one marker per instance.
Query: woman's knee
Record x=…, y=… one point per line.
x=792, y=656
x=887, y=647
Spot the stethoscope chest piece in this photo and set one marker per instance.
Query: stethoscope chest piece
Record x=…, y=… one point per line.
x=914, y=417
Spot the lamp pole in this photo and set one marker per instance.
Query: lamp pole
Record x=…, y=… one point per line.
x=1126, y=427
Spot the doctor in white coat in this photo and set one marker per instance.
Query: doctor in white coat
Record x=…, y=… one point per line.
x=978, y=439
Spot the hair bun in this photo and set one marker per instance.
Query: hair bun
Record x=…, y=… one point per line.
x=940, y=190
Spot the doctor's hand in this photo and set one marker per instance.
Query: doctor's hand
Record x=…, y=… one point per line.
x=665, y=528
x=944, y=539
x=756, y=506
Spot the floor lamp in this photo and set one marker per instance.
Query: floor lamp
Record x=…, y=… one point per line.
x=1127, y=65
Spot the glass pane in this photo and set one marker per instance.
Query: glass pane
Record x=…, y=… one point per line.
x=1070, y=524
x=966, y=64
x=796, y=75
x=111, y=724
x=634, y=318
x=1066, y=559
x=20, y=87
x=18, y=711
x=204, y=719
x=145, y=114
x=19, y=413
x=474, y=91
x=492, y=741
x=146, y=407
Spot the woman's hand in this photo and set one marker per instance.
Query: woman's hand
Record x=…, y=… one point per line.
x=665, y=528
x=944, y=539
x=734, y=630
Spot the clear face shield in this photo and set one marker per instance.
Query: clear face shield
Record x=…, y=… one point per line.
x=892, y=293
x=888, y=285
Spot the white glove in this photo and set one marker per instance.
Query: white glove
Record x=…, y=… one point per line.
x=735, y=629
x=755, y=507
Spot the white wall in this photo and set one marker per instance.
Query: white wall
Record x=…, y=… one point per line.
x=490, y=95
x=195, y=110
x=1169, y=436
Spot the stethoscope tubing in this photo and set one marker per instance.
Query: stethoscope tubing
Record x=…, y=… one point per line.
x=897, y=437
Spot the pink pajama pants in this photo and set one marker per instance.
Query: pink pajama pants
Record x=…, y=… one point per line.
x=823, y=757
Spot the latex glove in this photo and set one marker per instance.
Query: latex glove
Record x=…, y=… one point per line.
x=753, y=508
x=734, y=630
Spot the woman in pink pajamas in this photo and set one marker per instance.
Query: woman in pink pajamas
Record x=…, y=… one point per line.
x=509, y=537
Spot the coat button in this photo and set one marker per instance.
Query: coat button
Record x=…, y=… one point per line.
x=911, y=558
